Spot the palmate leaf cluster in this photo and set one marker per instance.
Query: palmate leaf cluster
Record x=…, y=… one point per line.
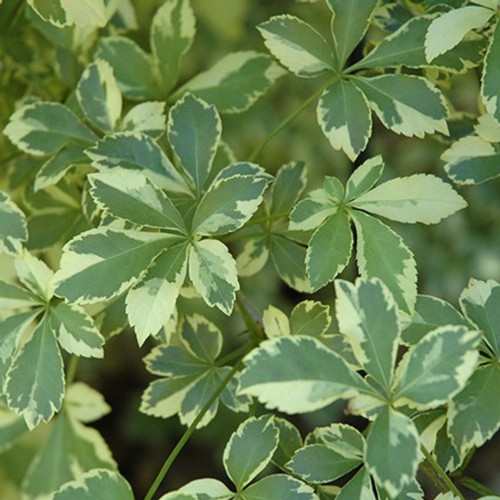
x=124, y=208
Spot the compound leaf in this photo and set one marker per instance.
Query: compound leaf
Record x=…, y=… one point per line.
x=364, y=177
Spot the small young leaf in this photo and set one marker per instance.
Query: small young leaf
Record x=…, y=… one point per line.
x=99, y=96
x=250, y=449
x=45, y=127
x=85, y=404
x=12, y=226
x=35, y=275
x=289, y=184
x=253, y=258
x=408, y=105
x=311, y=212
x=297, y=45
x=279, y=487
x=146, y=117
x=275, y=322
x=491, y=76
x=345, y=118
x=364, y=177
x=417, y=198
x=172, y=33
x=310, y=318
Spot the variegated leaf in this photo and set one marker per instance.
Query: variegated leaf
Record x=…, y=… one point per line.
x=136, y=151
x=367, y=315
x=279, y=487
x=84, y=403
x=436, y=368
x=202, y=338
x=310, y=318
x=311, y=212
x=289, y=184
x=275, y=322
x=35, y=275
x=349, y=24
x=68, y=12
x=250, y=449
x=172, y=33
x=212, y=271
x=13, y=231
x=341, y=437
x=146, y=117
x=358, y=487
x=45, y=127
x=416, y=198
x=290, y=440
x=130, y=195
x=12, y=427
x=298, y=375
x=99, y=96
x=488, y=128
x=151, y=303
x=102, y=263
x=211, y=489
x=408, y=105
x=253, y=257
x=345, y=118
x=15, y=297
x=382, y=254
x=230, y=201
x=364, y=177
x=132, y=67
x=392, y=451
x=491, y=76
x=297, y=45
x=34, y=385
x=75, y=331
x=194, y=130
x=447, y=30
x=234, y=83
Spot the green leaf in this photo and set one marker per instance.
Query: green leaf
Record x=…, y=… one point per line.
x=234, y=83
x=151, y=302
x=202, y=338
x=132, y=67
x=298, y=375
x=310, y=318
x=146, y=117
x=358, y=487
x=99, y=96
x=15, y=297
x=343, y=438
x=480, y=303
x=323, y=264
x=206, y=489
x=56, y=167
x=367, y=315
x=275, y=322
x=436, y=368
x=411, y=491
x=84, y=403
x=473, y=414
x=172, y=33
x=382, y=254
x=75, y=331
x=349, y=24
x=70, y=450
x=67, y=12
x=253, y=257
x=12, y=428
x=35, y=275
x=94, y=484
x=311, y=212
x=230, y=201
x=45, y=127
x=34, y=384
x=416, y=198
x=250, y=449
x=290, y=440
x=194, y=131
x=345, y=118
x=392, y=451
x=447, y=30
x=119, y=256
x=130, y=195
x=318, y=463
x=136, y=151
x=364, y=177
x=491, y=76
x=13, y=229
x=279, y=487
x=289, y=184
x=212, y=271
x=297, y=45
x=408, y=105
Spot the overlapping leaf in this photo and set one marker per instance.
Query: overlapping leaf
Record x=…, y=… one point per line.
x=12, y=226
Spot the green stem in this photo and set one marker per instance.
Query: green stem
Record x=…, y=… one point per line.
x=256, y=152
x=236, y=354
x=72, y=366
x=441, y=474
x=189, y=432
x=476, y=486
x=254, y=329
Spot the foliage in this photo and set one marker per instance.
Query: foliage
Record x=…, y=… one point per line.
x=124, y=208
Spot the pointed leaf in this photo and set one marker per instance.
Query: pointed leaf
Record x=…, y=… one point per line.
x=382, y=254
x=279, y=487
x=234, y=83
x=130, y=195
x=491, y=76
x=212, y=270
x=84, y=403
x=194, y=130
x=392, y=451
x=253, y=258
x=119, y=256
x=15, y=297
x=298, y=375
x=290, y=440
x=35, y=275
x=436, y=368
x=202, y=338
x=408, y=105
x=99, y=96
x=358, y=487
x=343, y=438
x=289, y=184
x=297, y=45
x=12, y=226
x=172, y=33
x=417, y=198
x=34, y=385
x=136, y=151
x=146, y=117
x=345, y=118
x=250, y=449
x=311, y=212
x=310, y=318
x=45, y=127
x=364, y=177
